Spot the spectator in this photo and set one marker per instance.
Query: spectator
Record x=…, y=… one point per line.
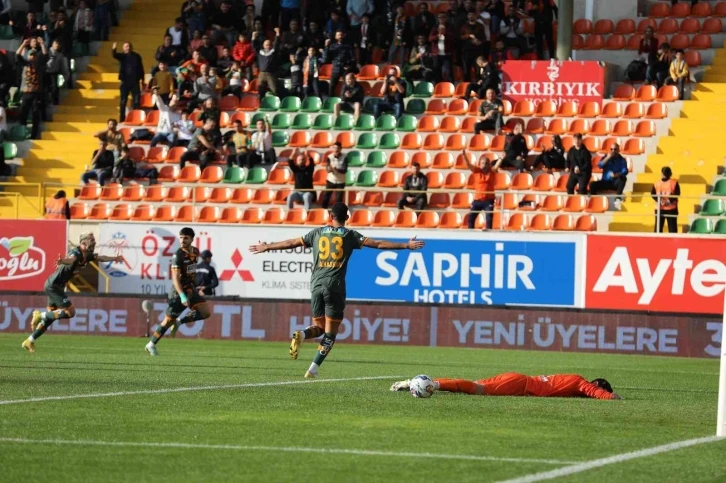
x=511, y=30
x=544, y=12
x=351, y=97
x=364, y=36
x=56, y=65
x=206, y=279
x=194, y=64
x=614, y=174
x=7, y=77
x=258, y=35
x=208, y=51
x=196, y=41
x=62, y=31
x=648, y=47
x=270, y=12
x=244, y=53
x=101, y=166
x=102, y=19
x=458, y=13
x=167, y=118
x=337, y=167
x=296, y=76
x=302, y=167
x=6, y=7
x=498, y=56
x=185, y=79
x=393, y=90
x=399, y=43
x=261, y=151
x=314, y=37
x=484, y=18
x=3, y=122
x=28, y=30
x=311, y=73
x=168, y=53
x=207, y=86
x=127, y=168
x=131, y=75
x=553, y=157
x=196, y=20
x=341, y=56
x=659, y=70
x=57, y=208
x=183, y=129
x=414, y=188
x=290, y=10
x=666, y=192
x=267, y=65
x=356, y=9
x=225, y=61
x=487, y=78
x=490, y=114
x=516, y=150
x=424, y=21
x=472, y=36
x=180, y=35
x=485, y=184
x=496, y=12
x=31, y=83
x=420, y=63
x=234, y=81
x=111, y=137
x=203, y=147
x=248, y=20
x=679, y=73
x=579, y=165
x=442, y=48
x=210, y=110
x=334, y=24
x=238, y=143
x=163, y=82
x=223, y=25
x=293, y=39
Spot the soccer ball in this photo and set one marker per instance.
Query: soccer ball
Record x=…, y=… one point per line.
x=422, y=386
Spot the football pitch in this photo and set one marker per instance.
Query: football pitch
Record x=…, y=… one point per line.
x=99, y=409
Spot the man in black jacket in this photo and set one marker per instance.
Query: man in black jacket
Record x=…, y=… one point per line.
x=340, y=55
x=206, y=279
x=515, y=154
x=412, y=190
x=131, y=75
x=579, y=165
x=351, y=97
x=544, y=13
x=487, y=78
x=302, y=167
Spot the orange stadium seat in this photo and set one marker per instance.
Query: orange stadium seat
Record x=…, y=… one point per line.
x=155, y=155
x=523, y=109
x=711, y=25
x=476, y=103
x=582, y=26
x=361, y=218
x=498, y=143
x=100, y=211
x=680, y=10
x=657, y=111
x=597, y=204
x=200, y=194
x=164, y=213
x=589, y=110
x=249, y=103
x=594, y=42
x=681, y=41
x=462, y=200
x=436, y=107
x=438, y=201
x=368, y=72
x=155, y=193
x=428, y=124
x=386, y=68
x=126, y=133
x=228, y=103
x=611, y=110
x=659, y=10
x=174, y=155
x=478, y=221
x=212, y=174
x=522, y=182
x=601, y=127
x=575, y=203
x=322, y=140
x=455, y=181
x=561, y=186
x=346, y=139
x=450, y=220
x=242, y=117
x=468, y=125
x=121, y=212
x=372, y=198
x=152, y=119
x=543, y=142
x=540, y=222
x=645, y=23
x=143, y=212
x=399, y=159
x=435, y=142
x=241, y=196
x=209, y=214
x=645, y=129
x=479, y=142
x=251, y=89
x=633, y=42
x=587, y=222
x=449, y=124
x=405, y=219
x=262, y=196
x=615, y=42
x=580, y=126
x=634, y=110
x=444, y=89
x=443, y=160
x=622, y=128
x=544, y=182
x=535, y=126
x=507, y=107
x=633, y=147
x=189, y=174
x=552, y=203
x=435, y=179
x=567, y=109
x=457, y=107
x=274, y=216
x=325, y=71
x=90, y=192
x=112, y=192
x=390, y=199
x=517, y=222
x=646, y=93
x=693, y=58
x=411, y=140
x=701, y=10
x=603, y=27
x=230, y=214
x=133, y=193
x=135, y=117
x=556, y=126
x=511, y=122
x=624, y=92
x=423, y=158
x=578, y=42
x=383, y=219
x=503, y=181
x=563, y=223
x=299, y=139
x=279, y=176
x=252, y=215
x=427, y=219
x=295, y=216
x=388, y=179
x=667, y=94
x=607, y=144
x=690, y=26
x=668, y=26
x=220, y=195
x=625, y=26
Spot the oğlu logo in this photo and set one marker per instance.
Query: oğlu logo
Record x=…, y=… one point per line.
x=19, y=258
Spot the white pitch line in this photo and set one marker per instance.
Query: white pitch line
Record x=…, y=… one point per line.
x=188, y=389
x=287, y=449
x=618, y=458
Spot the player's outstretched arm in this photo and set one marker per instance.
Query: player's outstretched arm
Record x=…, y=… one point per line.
x=412, y=244
x=262, y=247
x=64, y=261
x=106, y=258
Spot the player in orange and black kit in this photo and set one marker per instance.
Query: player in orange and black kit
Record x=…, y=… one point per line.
x=182, y=294
x=515, y=384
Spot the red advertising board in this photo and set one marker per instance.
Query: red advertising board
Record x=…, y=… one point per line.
x=654, y=273
x=396, y=324
x=560, y=81
x=28, y=249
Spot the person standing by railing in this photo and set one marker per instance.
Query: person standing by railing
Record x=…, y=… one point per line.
x=665, y=192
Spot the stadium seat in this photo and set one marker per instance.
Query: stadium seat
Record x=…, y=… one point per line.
x=611, y=110
x=597, y=204
x=344, y=122
x=556, y=126
x=435, y=179
x=155, y=193
x=467, y=126
x=523, y=109
x=372, y=198
x=624, y=92
x=143, y=212
x=389, y=179
x=659, y=10
x=645, y=129
x=392, y=140
x=405, y=219
x=633, y=42
x=368, y=72
x=439, y=201
x=450, y=220
x=634, y=110
x=589, y=110
x=680, y=10
x=211, y=174
x=478, y=221
x=615, y=42
x=133, y=193
x=444, y=89
x=230, y=214
x=625, y=26
x=578, y=126
x=633, y=147
x=516, y=222
x=552, y=203
x=478, y=142
x=582, y=26
x=457, y=107
x=540, y=222
x=622, y=128
x=135, y=117
x=702, y=226
x=228, y=103
x=386, y=68
x=563, y=223
x=578, y=42
x=561, y=186
x=311, y=104
x=668, y=26
x=329, y=104
x=680, y=41
x=155, y=155
x=383, y=219
x=121, y=212
x=90, y=192
x=720, y=228
x=426, y=220
x=220, y=195
x=428, y=124
x=455, y=142
x=189, y=174
x=234, y=175
x=164, y=213
x=522, y=182
x=603, y=27
x=279, y=176
x=601, y=127
x=594, y=42
x=322, y=139
x=367, y=140
x=544, y=182
x=443, y=160
x=346, y=139
x=567, y=109
x=701, y=10
x=667, y=94
x=535, y=126
x=543, y=142
x=475, y=104
x=100, y=211
x=152, y=119
x=365, y=122
x=575, y=204
x=693, y=57
x=200, y=194
x=386, y=122
x=710, y=25
x=498, y=143
x=209, y=214
x=455, y=181
x=586, y=223
x=112, y=192
x=361, y=218
x=713, y=207
x=295, y=216
x=249, y=103
x=399, y=159
x=252, y=216
x=273, y=216
x=690, y=26
x=546, y=108
x=645, y=93
x=301, y=121
x=269, y=104
x=376, y=159
x=436, y=107
x=407, y=123
x=423, y=158
x=657, y=111
x=415, y=106
x=701, y=41
x=319, y=177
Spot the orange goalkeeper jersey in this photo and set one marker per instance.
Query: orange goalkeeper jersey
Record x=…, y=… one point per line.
x=564, y=385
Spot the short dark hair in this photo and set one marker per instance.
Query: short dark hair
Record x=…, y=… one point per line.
x=237, y=121
x=186, y=231
x=339, y=212
x=415, y=164
x=337, y=144
x=680, y=51
x=112, y=120
x=603, y=384
x=60, y=194
x=577, y=136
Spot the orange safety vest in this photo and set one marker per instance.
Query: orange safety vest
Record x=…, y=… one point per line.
x=55, y=209
x=665, y=189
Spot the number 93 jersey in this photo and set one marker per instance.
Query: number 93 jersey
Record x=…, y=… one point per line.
x=332, y=248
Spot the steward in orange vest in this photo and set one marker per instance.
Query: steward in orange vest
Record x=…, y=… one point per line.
x=57, y=207
x=665, y=192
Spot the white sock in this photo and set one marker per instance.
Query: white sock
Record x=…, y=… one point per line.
x=313, y=368
x=43, y=314
x=31, y=338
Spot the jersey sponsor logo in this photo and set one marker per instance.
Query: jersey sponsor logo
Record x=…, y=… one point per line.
x=20, y=258
x=684, y=275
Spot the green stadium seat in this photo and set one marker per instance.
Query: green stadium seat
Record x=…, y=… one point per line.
x=407, y=123
x=10, y=150
x=366, y=122
x=720, y=227
x=302, y=121
x=330, y=103
x=234, y=175
x=367, y=178
x=258, y=116
x=369, y=106
x=290, y=104
x=311, y=104
x=386, y=122
x=390, y=140
x=354, y=159
x=257, y=175
x=367, y=140
x=376, y=159
x=713, y=207
x=281, y=121
x=280, y=139
x=423, y=89
x=18, y=133
x=344, y=122
x=702, y=226
x=6, y=32
x=415, y=106
x=323, y=122
x=350, y=177
x=409, y=88
x=720, y=188
x=270, y=104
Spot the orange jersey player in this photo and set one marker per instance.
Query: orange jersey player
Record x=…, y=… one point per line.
x=515, y=384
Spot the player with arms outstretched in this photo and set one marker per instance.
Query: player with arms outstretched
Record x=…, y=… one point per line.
x=332, y=245
x=59, y=305
x=515, y=384
x=182, y=293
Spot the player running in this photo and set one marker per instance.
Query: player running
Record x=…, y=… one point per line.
x=332, y=246
x=514, y=384
x=59, y=305
x=182, y=293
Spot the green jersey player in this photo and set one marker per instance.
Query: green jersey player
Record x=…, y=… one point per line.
x=59, y=305
x=332, y=245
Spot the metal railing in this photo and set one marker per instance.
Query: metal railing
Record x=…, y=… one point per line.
x=36, y=201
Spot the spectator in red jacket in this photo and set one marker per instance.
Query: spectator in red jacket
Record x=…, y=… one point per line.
x=442, y=49
x=244, y=53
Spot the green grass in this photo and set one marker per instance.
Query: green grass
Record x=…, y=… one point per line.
x=666, y=400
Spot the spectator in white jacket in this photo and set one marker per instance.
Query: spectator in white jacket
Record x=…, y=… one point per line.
x=83, y=26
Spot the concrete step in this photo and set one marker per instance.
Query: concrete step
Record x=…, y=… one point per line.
x=93, y=118
x=102, y=85
x=75, y=127
x=99, y=76
x=82, y=110
x=93, y=94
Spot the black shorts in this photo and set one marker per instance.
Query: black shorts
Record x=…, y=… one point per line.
x=176, y=306
x=328, y=301
x=57, y=298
